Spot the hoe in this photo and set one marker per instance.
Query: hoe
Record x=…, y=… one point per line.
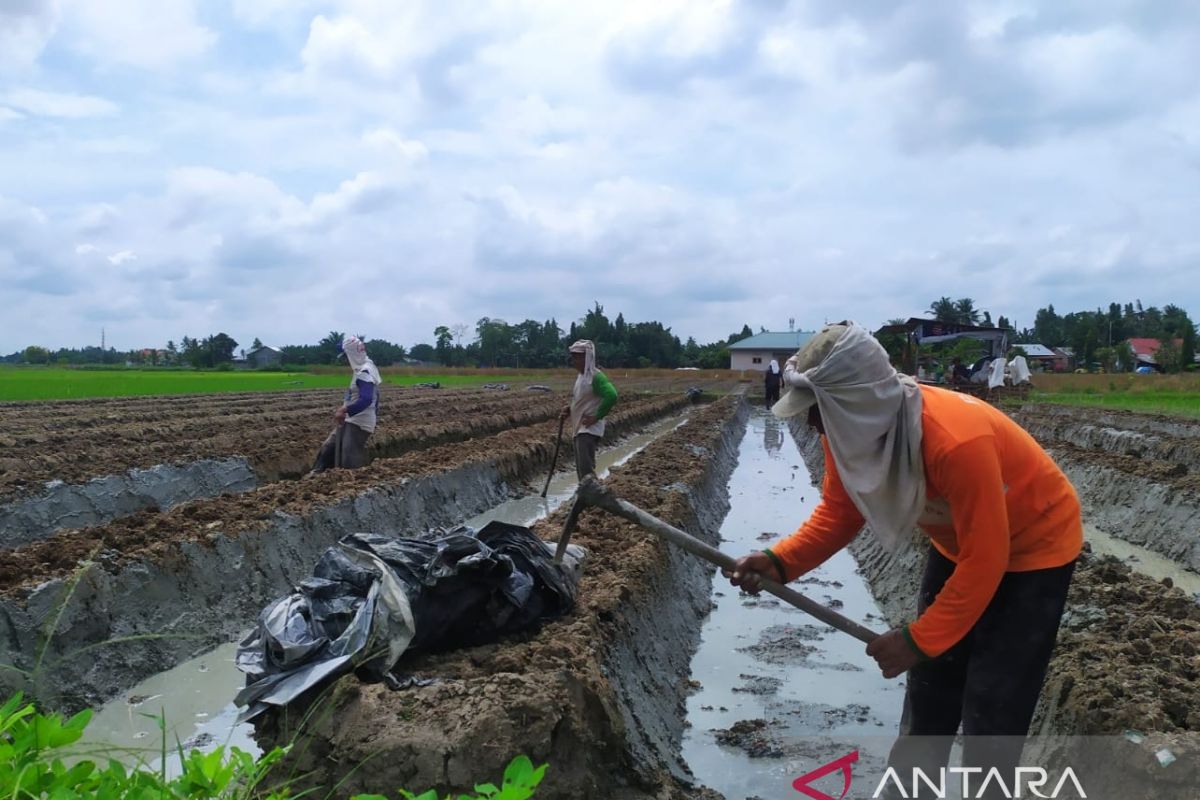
x=595, y=494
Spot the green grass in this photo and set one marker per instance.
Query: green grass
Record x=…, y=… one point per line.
x=1172, y=403
x=53, y=383
x=1176, y=395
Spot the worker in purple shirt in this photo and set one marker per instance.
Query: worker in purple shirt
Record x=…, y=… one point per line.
x=346, y=447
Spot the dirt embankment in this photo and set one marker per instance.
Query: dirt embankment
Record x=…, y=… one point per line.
x=199, y=574
x=1127, y=659
x=1138, y=475
x=125, y=460
x=599, y=695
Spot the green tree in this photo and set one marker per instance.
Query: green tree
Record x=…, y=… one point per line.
x=36, y=355
x=257, y=343
x=330, y=347
x=423, y=352
x=442, y=344
x=1168, y=354
x=965, y=311
x=220, y=347
x=944, y=310
x=1187, y=347
x=1048, y=328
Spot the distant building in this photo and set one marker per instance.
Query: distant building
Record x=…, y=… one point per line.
x=1041, y=357
x=265, y=356
x=1145, y=352
x=757, y=351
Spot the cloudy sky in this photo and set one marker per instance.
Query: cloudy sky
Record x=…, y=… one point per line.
x=283, y=168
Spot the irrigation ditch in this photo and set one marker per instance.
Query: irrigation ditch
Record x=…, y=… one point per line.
x=136, y=596
x=658, y=683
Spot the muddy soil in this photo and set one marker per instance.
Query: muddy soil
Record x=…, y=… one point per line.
x=163, y=588
x=1137, y=475
x=153, y=534
x=277, y=436
x=599, y=695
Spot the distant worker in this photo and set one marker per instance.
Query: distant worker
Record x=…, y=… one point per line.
x=960, y=373
x=346, y=447
x=591, y=400
x=773, y=380
x=1004, y=528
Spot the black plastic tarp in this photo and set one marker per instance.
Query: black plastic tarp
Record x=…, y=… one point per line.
x=372, y=598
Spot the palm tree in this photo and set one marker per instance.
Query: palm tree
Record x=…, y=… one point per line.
x=966, y=312
x=944, y=310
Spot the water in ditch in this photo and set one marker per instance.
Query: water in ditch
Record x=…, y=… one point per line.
x=778, y=693
x=194, y=698
x=1147, y=562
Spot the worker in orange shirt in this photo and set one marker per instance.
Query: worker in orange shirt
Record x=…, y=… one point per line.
x=1004, y=529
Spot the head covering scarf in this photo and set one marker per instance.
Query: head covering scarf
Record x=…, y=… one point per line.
x=584, y=402
x=588, y=349
x=774, y=367
x=356, y=354
x=872, y=420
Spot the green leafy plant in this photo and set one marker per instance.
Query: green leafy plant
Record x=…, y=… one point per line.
x=520, y=780
x=35, y=762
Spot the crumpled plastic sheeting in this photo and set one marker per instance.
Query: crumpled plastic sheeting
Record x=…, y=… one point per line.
x=372, y=598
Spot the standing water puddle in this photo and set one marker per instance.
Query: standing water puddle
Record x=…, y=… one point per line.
x=781, y=694
x=1147, y=562
x=195, y=697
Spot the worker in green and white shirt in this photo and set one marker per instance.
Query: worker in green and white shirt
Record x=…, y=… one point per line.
x=591, y=400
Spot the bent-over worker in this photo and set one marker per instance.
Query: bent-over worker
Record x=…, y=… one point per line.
x=591, y=399
x=1004, y=528
x=355, y=419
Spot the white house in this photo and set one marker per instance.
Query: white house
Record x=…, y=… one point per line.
x=757, y=351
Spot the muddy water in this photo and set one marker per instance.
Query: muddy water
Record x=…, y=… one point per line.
x=194, y=697
x=779, y=693
x=528, y=510
x=1141, y=560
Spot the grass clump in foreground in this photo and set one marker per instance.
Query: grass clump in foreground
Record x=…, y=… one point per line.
x=36, y=762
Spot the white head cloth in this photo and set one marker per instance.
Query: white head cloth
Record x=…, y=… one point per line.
x=872, y=420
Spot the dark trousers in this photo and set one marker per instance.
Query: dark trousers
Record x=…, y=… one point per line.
x=349, y=453
x=989, y=682
x=585, y=453
x=772, y=395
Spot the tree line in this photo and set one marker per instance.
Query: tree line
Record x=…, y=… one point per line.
x=492, y=342
x=1095, y=337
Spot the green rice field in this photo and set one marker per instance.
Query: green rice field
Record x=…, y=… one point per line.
x=53, y=383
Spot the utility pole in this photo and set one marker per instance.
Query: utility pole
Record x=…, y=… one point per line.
x=102, y=339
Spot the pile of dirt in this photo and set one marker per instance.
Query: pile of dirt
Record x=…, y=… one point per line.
x=151, y=534
x=599, y=695
x=1128, y=655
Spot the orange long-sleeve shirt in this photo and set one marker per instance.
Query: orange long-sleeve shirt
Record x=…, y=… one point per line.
x=996, y=503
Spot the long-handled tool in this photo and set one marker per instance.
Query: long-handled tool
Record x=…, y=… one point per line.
x=593, y=493
x=554, y=460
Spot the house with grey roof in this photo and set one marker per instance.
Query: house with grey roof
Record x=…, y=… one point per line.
x=757, y=351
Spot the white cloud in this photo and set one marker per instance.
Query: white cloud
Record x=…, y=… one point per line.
x=59, y=104
x=8, y=115
x=25, y=27
x=389, y=140
x=675, y=161
x=129, y=32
